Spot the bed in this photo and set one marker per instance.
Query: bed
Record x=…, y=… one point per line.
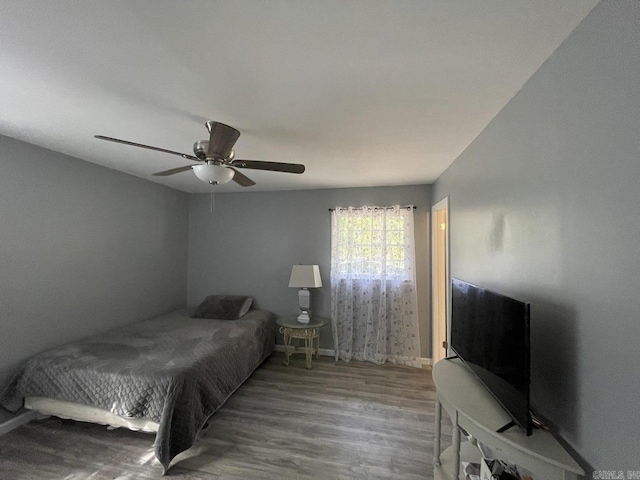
x=167, y=375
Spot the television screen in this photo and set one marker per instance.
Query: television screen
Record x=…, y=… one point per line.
x=490, y=333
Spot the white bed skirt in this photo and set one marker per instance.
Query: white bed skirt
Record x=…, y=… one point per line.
x=84, y=413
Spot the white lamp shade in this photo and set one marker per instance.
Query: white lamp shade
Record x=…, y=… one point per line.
x=305, y=276
x=214, y=174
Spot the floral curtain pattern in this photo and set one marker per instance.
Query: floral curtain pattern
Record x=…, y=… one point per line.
x=373, y=287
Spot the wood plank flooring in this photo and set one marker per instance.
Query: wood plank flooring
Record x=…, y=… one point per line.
x=336, y=421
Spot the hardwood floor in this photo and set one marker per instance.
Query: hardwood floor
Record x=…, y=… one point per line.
x=336, y=421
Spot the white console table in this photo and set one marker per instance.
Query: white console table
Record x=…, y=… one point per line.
x=472, y=408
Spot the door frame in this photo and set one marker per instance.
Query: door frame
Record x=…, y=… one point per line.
x=440, y=326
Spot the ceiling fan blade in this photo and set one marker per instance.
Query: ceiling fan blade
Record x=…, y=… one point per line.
x=241, y=179
x=222, y=138
x=272, y=166
x=148, y=147
x=173, y=171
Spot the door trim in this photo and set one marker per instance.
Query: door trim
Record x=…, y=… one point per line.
x=438, y=335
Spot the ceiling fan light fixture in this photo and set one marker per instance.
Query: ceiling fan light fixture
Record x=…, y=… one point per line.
x=213, y=174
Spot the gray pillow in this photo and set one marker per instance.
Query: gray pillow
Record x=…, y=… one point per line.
x=223, y=307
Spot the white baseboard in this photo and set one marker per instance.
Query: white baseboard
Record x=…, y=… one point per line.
x=327, y=352
x=17, y=421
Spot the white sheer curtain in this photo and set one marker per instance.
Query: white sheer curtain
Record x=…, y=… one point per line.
x=373, y=286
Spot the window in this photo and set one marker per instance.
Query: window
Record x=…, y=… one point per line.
x=372, y=242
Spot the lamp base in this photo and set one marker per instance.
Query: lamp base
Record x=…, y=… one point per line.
x=304, y=317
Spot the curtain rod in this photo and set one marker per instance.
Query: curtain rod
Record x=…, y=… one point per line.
x=360, y=208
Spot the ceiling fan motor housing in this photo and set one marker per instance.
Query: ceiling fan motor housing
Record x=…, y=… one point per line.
x=201, y=147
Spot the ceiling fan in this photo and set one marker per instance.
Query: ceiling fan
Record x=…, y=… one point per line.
x=218, y=158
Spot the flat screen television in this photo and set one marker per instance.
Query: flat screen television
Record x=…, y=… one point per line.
x=490, y=333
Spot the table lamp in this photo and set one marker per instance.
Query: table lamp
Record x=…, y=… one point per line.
x=305, y=277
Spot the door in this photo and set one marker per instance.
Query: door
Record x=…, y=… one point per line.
x=440, y=278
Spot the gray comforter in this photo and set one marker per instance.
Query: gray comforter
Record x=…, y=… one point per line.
x=174, y=369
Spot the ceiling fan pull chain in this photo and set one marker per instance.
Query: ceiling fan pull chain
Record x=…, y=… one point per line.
x=212, y=202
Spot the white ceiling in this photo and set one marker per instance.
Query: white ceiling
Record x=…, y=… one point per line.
x=363, y=92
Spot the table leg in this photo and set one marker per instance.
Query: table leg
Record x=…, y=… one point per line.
x=436, y=443
x=287, y=342
x=317, y=345
x=308, y=347
x=455, y=446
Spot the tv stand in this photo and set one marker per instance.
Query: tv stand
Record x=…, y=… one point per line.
x=472, y=408
x=506, y=427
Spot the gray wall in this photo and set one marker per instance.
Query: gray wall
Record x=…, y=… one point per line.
x=82, y=249
x=545, y=206
x=251, y=240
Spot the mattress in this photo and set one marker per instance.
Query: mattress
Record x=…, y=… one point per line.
x=174, y=371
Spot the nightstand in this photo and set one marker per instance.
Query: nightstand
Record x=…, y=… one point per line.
x=292, y=330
